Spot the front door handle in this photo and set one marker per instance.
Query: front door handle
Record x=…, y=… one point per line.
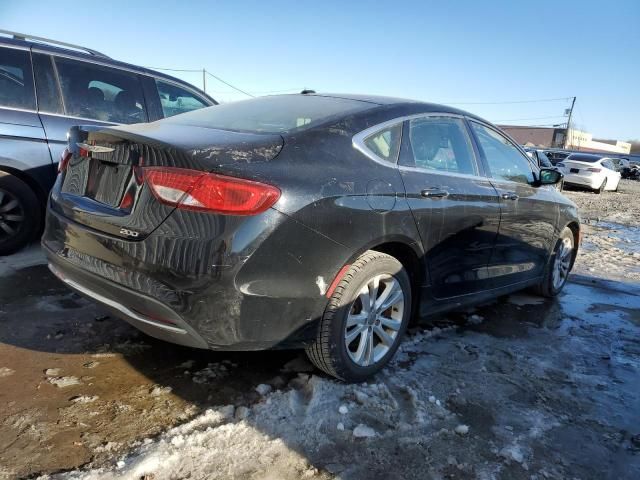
x=434, y=193
x=510, y=196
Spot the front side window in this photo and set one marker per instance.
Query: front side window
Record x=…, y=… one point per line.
x=385, y=144
x=100, y=93
x=441, y=143
x=503, y=158
x=16, y=79
x=175, y=100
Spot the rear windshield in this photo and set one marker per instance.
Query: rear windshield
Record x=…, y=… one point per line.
x=583, y=158
x=276, y=114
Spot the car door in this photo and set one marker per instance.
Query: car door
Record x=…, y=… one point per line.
x=455, y=207
x=528, y=214
x=22, y=139
x=613, y=175
x=75, y=92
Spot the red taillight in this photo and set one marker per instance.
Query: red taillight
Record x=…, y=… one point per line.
x=64, y=160
x=593, y=169
x=209, y=192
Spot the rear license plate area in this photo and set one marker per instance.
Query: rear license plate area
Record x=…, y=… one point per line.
x=575, y=170
x=107, y=181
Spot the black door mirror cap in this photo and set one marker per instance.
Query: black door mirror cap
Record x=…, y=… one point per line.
x=549, y=176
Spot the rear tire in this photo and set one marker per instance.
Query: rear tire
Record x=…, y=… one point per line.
x=559, y=265
x=357, y=336
x=20, y=214
x=602, y=187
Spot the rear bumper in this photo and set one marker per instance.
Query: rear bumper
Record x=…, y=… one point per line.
x=171, y=329
x=222, y=283
x=583, y=181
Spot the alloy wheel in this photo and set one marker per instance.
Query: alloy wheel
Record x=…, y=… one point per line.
x=11, y=215
x=374, y=320
x=562, y=263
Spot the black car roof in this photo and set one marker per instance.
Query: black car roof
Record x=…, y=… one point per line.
x=96, y=58
x=399, y=102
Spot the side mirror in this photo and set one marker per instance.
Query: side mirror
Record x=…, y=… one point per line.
x=549, y=176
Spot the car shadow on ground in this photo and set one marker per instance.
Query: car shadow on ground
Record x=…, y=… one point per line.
x=91, y=385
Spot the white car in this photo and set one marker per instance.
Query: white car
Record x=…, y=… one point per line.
x=591, y=171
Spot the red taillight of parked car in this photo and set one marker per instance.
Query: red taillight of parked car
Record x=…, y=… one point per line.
x=209, y=192
x=593, y=169
x=64, y=160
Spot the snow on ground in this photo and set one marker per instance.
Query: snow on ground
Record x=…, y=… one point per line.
x=463, y=403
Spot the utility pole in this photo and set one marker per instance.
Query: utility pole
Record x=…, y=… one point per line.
x=566, y=137
x=204, y=83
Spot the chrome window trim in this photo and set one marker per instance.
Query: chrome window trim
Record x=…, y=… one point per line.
x=14, y=109
x=15, y=47
x=358, y=144
x=72, y=117
x=359, y=138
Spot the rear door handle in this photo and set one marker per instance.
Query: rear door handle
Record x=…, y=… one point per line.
x=510, y=196
x=434, y=193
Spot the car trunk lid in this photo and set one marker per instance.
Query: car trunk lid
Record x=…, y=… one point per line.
x=103, y=186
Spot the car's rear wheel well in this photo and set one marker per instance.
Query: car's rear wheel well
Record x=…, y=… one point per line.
x=410, y=261
x=33, y=184
x=575, y=230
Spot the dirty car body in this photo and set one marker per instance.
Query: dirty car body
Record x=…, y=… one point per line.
x=260, y=280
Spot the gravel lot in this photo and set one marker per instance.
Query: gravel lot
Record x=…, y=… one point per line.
x=519, y=388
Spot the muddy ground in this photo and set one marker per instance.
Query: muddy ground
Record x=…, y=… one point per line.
x=520, y=388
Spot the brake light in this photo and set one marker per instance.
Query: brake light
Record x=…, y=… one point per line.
x=209, y=192
x=593, y=169
x=64, y=160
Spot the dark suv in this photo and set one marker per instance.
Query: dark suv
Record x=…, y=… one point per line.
x=45, y=88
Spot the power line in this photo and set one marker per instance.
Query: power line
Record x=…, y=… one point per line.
x=228, y=84
x=190, y=70
x=174, y=69
x=540, y=125
x=510, y=101
x=527, y=118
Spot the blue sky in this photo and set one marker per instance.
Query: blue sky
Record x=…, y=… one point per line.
x=470, y=53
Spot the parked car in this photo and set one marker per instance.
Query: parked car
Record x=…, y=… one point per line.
x=539, y=157
x=626, y=168
x=593, y=171
x=45, y=88
x=556, y=156
x=316, y=221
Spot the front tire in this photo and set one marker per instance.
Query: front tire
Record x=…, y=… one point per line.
x=20, y=214
x=559, y=265
x=365, y=319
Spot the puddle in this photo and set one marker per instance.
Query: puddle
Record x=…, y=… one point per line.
x=625, y=237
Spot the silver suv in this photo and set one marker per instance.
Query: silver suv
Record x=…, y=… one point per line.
x=46, y=87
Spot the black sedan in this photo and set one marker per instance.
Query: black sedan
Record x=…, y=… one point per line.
x=318, y=221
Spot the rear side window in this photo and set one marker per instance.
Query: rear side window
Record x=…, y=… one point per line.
x=503, y=158
x=385, y=144
x=100, y=93
x=276, y=114
x=49, y=100
x=16, y=79
x=441, y=143
x=175, y=100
